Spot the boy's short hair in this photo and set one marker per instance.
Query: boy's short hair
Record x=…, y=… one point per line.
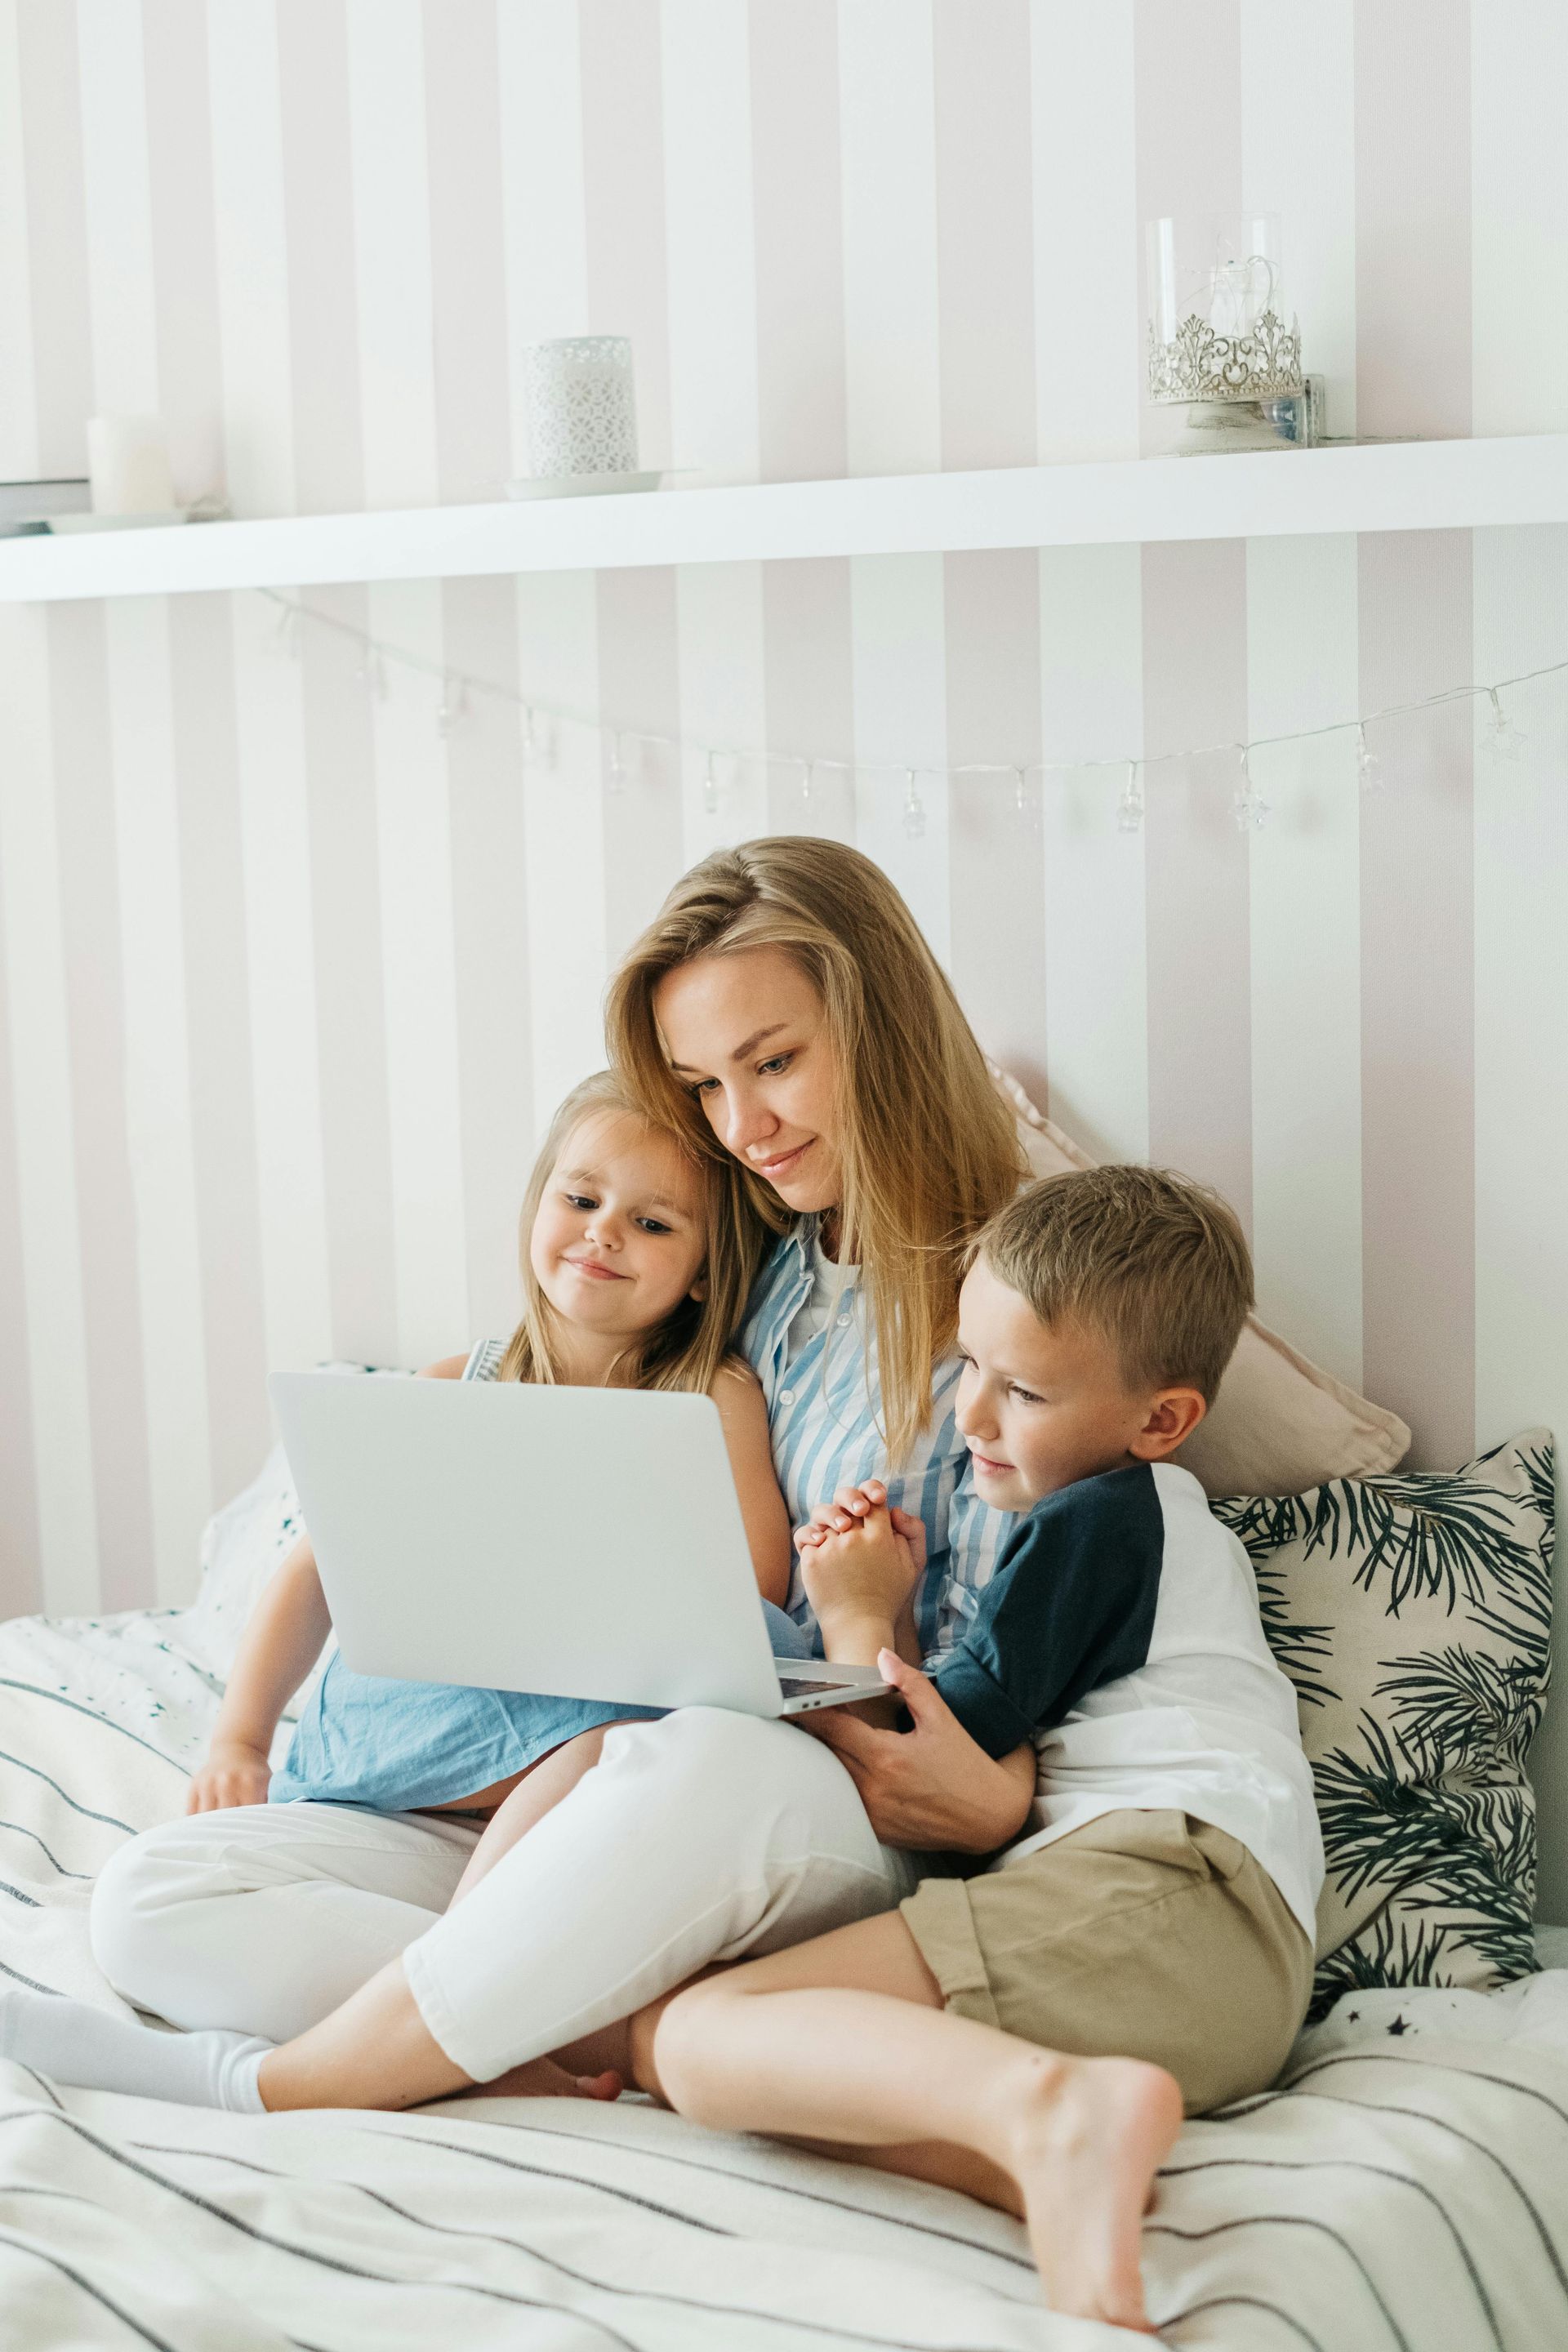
x=1155, y=1262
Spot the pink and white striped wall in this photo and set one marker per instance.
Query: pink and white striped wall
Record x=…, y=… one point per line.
x=290, y=982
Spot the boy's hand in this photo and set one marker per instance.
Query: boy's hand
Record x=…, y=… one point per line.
x=858, y=1584
x=232, y=1774
x=849, y=1507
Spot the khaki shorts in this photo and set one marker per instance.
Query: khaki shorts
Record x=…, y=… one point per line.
x=1143, y=1934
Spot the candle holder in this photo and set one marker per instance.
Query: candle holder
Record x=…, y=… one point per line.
x=128, y=462
x=581, y=404
x=1218, y=342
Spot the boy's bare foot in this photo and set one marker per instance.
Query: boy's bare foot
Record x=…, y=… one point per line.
x=542, y=2078
x=1089, y=2138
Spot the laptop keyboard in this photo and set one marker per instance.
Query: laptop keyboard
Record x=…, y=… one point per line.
x=793, y=1687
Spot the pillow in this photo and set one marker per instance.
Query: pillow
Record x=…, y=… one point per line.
x=1413, y=1613
x=241, y=1546
x=1279, y=1422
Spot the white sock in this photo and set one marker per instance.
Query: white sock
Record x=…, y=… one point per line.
x=74, y=2043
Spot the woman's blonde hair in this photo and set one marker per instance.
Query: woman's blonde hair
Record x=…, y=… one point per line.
x=928, y=1147
x=686, y=1350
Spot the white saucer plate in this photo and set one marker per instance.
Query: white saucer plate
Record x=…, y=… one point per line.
x=60, y=523
x=579, y=485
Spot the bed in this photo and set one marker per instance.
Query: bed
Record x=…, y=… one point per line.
x=1406, y=2185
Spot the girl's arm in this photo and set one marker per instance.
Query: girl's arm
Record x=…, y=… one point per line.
x=737, y=1393
x=280, y=1645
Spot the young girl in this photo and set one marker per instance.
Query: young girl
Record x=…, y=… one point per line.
x=635, y=1268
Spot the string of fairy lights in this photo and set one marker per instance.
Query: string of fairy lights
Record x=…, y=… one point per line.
x=546, y=729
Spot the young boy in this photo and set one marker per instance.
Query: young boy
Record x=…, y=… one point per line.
x=1150, y=1933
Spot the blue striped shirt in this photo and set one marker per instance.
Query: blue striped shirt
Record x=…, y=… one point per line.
x=823, y=1409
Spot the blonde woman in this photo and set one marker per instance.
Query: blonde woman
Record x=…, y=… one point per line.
x=784, y=1016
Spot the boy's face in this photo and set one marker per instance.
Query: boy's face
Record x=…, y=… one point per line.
x=1042, y=1405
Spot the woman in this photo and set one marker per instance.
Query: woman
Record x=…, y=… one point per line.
x=781, y=1011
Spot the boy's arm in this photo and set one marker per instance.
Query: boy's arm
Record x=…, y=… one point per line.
x=1071, y=1607
x=852, y=1508
x=859, y=1585
x=742, y=1409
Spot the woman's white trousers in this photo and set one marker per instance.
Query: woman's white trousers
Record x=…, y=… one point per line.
x=696, y=1838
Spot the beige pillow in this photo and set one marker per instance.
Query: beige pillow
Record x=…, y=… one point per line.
x=1280, y=1424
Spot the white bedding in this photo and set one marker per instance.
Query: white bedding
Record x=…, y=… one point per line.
x=1409, y=2188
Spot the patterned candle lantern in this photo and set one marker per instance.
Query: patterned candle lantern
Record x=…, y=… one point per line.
x=1219, y=344
x=581, y=405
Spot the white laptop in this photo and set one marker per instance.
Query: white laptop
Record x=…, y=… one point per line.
x=584, y=1542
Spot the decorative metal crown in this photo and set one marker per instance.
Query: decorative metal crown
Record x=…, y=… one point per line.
x=1201, y=365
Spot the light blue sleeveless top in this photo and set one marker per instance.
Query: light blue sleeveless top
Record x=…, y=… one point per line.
x=397, y=1746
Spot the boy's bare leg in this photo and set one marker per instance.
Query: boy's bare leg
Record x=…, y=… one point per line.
x=538, y=1792
x=846, y=2039
x=841, y=2039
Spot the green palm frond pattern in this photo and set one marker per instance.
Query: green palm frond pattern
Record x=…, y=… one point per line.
x=1411, y=1612
x=1266, y=1523
x=1538, y=1469
x=1390, y=1952
x=1427, y=1535
x=1469, y=1708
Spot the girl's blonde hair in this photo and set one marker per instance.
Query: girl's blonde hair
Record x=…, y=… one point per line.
x=686, y=1350
x=928, y=1147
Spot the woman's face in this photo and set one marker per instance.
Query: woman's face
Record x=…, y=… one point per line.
x=748, y=1033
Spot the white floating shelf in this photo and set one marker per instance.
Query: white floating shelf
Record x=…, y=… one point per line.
x=1395, y=486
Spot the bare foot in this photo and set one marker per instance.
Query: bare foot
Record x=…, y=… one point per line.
x=1089, y=2138
x=542, y=2078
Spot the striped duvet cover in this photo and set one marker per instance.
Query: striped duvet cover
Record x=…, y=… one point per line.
x=1407, y=2187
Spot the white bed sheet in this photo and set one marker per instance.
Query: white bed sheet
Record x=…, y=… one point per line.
x=1407, y=2188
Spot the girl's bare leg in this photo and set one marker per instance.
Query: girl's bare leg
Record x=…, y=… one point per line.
x=846, y=2039
x=538, y=1792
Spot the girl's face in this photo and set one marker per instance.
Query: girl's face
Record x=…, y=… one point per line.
x=747, y=1033
x=620, y=1235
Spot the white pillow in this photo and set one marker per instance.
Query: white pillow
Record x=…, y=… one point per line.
x=241, y=1546
x=1280, y=1424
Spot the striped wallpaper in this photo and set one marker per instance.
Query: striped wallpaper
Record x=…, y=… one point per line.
x=290, y=981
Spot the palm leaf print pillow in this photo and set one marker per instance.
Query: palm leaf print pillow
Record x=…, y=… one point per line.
x=1411, y=1612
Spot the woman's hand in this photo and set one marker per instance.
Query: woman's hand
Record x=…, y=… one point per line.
x=933, y=1786
x=234, y=1774
x=850, y=1506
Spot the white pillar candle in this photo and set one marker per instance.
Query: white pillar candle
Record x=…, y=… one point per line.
x=581, y=405
x=128, y=460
